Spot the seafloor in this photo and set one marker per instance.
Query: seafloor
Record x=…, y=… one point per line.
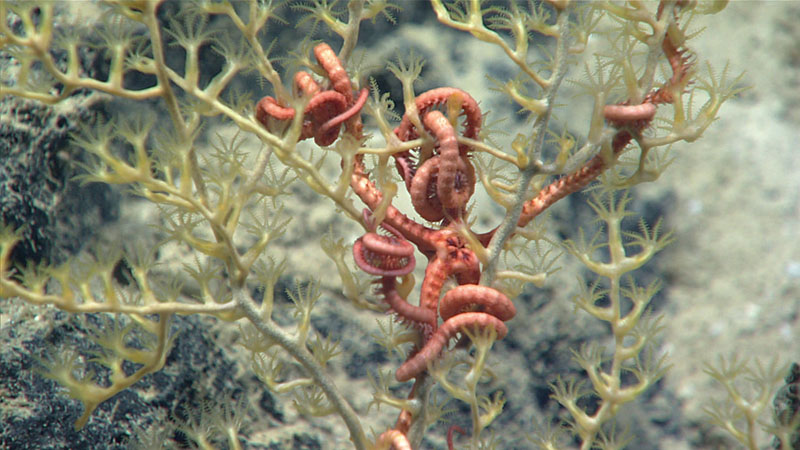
x=730, y=281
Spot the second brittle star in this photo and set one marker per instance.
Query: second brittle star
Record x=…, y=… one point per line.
x=327, y=110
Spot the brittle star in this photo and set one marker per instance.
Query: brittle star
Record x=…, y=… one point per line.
x=327, y=110
x=441, y=183
x=440, y=187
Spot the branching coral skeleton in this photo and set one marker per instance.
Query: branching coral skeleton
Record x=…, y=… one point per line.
x=440, y=152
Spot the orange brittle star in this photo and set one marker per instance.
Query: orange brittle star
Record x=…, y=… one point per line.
x=327, y=110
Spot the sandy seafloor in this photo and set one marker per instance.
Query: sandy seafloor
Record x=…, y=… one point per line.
x=731, y=279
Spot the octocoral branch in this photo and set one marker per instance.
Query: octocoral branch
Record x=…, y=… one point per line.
x=221, y=201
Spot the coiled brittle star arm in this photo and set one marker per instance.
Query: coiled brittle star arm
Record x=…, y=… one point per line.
x=327, y=110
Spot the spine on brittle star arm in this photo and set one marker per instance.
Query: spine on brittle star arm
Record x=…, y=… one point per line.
x=425, y=101
x=340, y=82
x=422, y=190
x=333, y=124
x=435, y=274
x=391, y=257
x=620, y=115
x=560, y=188
x=333, y=67
x=577, y=180
x=320, y=108
x=306, y=85
x=386, y=256
x=268, y=108
x=473, y=297
x=419, y=362
x=422, y=318
x=371, y=196
x=452, y=182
